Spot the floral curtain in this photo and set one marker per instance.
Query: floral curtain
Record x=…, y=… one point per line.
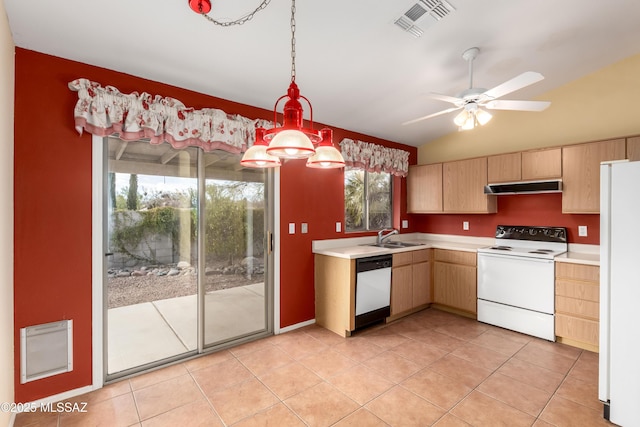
x=374, y=158
x=105, y=111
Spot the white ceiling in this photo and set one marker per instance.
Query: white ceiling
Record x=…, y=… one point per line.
x=359, y=70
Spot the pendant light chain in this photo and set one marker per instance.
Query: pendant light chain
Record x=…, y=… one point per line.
x=238, y=21
x=293, y=40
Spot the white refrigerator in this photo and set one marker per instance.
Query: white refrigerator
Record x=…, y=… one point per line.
x=619, y=373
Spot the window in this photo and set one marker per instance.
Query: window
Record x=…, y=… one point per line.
x=367, y=200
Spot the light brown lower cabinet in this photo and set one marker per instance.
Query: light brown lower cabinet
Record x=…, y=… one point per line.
x=410, y=282
x=335, y=284
x=578, y=305
x=455, y=280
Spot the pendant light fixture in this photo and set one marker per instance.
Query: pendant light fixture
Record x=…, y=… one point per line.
x=256, y=156
x=293, y=140
x=326, y=156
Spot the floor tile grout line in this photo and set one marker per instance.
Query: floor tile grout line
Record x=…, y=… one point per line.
x=332, y=346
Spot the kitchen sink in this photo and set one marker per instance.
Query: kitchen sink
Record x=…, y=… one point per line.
x=395, y=245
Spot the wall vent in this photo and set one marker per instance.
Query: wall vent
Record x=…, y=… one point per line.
x=422, y=15
x=46, y=350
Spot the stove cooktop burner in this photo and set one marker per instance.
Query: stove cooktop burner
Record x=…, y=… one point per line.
x=528, y=242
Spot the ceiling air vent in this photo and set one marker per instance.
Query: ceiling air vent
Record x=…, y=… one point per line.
x=422, y=15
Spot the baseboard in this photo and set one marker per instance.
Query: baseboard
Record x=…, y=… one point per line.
x=60, y=397
x=297, y=326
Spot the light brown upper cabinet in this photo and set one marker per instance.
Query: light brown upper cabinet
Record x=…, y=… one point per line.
x=424, y=189
x=633, y=148
x=542, y=164
x=463, y=184
x=581, y=173
x=504, y=168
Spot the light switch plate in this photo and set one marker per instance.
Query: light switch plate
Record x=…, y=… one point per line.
x=465, y=225
x=582, y=230
x=338, y=227
x=304, y=228
x=292, y=228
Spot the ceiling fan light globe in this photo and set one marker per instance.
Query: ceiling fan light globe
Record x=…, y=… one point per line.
x=483, y=116
x=461, y=118
x=469, y=123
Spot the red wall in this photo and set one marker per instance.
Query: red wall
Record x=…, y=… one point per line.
x=529, y=209
x=52, y=267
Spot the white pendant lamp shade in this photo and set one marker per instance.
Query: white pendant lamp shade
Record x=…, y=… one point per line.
x=291, y=144
x=256, y=156
x=327, y=156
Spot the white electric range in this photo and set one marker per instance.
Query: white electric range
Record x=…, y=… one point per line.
x=516, y=279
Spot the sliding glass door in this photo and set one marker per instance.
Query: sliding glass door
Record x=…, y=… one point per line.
x=186, y=260
x=235, y=250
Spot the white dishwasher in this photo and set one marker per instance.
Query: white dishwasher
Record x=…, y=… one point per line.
x=373, y=289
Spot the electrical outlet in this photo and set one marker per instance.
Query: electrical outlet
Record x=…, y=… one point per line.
x=292, y=228
x=405, y=223
x=338, y=227
x=304, y=228
x=582, y=230
x=465, y=225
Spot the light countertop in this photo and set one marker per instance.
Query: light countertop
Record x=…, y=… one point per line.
x=579, y=258
x=351, y=248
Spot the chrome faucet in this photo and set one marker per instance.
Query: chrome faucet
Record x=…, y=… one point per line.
x=381, y=237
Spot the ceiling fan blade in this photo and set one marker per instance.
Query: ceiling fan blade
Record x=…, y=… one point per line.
x=518, y=82
x=419, y=119
x=503, y=104
x=446, y=98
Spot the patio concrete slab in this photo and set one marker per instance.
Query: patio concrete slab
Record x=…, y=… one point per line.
x=137, y=335
x=147, y=332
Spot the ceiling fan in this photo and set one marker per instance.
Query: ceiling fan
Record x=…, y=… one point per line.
x=472, y=99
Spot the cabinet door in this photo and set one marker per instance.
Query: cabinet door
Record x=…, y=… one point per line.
x=581, y=173
x=504, y=168
x=455, y=286
x=424, y=188
x=421, y=283
x=463, y=184
x=633, y=148
x=401, y=289
x=542, y=164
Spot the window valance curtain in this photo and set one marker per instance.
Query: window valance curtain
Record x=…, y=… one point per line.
x=105, y=111
x=374, y=158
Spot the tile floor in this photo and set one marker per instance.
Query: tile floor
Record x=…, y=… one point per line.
x=431, y=368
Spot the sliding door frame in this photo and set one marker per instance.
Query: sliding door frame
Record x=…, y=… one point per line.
x=99, y=157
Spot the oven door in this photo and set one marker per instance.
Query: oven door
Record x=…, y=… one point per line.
x=517, y=281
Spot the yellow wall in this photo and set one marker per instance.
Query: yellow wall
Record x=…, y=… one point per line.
x=598, y=106
x=7, y=80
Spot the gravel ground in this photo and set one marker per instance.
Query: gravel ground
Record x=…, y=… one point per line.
x=134, y=290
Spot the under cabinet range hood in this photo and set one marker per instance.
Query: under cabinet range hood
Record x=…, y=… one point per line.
x=528, y=187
